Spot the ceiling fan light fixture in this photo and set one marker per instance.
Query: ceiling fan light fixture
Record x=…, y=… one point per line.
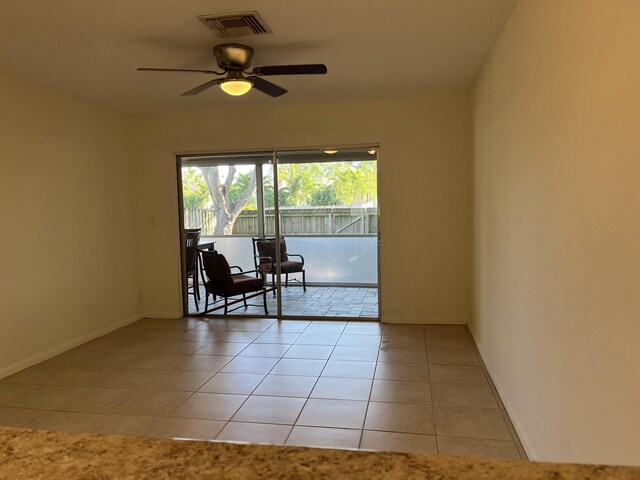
x=236, y=87
x=330, y=151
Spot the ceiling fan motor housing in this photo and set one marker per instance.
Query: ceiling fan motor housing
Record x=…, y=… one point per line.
x=233, y=56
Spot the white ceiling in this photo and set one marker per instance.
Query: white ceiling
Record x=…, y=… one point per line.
x=373, y=48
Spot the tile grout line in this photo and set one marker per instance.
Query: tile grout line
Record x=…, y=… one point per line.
x=102, y=415
x=237, y=355
x=256, y=387
x=215, y=373
x=373, y=379
x=193, y=393
x=166, y=416
x=512, y=433
x=433, y=405
x=267, y=374
x=315, y=383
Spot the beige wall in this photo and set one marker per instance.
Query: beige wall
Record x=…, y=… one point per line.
x=68, y=251
x=425, y=179
x=557, y=226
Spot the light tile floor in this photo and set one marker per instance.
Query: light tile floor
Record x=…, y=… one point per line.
x=358, y=385
x=358, y=302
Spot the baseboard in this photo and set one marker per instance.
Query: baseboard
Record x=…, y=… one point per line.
x=508, y=405
x=162, y=315
x=423, y=320
x=41, y=357
x=385, y=319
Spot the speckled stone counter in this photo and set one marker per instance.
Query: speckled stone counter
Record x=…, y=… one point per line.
x=30, y=454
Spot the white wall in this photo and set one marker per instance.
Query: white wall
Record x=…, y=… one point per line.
x=68, y=256
x=424, y=182
x=557, y=227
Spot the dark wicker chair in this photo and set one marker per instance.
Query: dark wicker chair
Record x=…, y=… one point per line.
x=264, y=254
x=198, y=261
x=222, y=283
x=192, y=238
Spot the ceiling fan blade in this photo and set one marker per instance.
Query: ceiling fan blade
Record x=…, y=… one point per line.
x=202, y=87
x=311, y=69
x=145, y=69
x=266, y=86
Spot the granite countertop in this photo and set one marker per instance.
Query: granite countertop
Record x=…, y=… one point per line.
x=37, y=454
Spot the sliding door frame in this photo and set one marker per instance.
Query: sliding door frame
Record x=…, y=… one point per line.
x=179, y=156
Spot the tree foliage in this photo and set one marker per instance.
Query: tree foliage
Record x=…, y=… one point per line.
x=237, y=191
x=229, y=196
x=335, y=183
x=325, y=195
x=284, y=193
x=195, y=193
x=228, y=192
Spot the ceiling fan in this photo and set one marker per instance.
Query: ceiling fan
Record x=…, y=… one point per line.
x=234, y=60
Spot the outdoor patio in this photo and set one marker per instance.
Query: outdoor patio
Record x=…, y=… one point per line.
x=317, y=301
x=339, y=246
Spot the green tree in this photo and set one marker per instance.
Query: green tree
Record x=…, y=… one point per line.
x=195, y=193
x=335, y=183
x=300, y=184
x=325, y=195
x=284, y=194
x=354, y=182
x=226, y=209
x=237, y=191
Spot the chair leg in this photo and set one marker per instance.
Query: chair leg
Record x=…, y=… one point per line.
x=196, y=295
x=264, y=299
x=304, y=282
x=226, y=304
x=206, y=301
x=244, y=299
x=286, y=280
x=201, y=268
x=273, y=283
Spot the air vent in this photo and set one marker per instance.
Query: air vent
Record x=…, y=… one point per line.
x=236, y=24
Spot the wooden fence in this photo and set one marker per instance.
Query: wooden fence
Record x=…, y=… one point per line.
x=294, y=221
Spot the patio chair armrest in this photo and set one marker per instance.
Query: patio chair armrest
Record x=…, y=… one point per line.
x=296, y=255
x=245, y=272
x=270, y=259
x=236, y=266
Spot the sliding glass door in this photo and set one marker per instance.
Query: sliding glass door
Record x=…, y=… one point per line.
x=321, y=205
x=222, y=208
x=328, y=216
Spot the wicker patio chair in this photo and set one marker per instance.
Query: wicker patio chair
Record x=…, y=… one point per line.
x=264, y=255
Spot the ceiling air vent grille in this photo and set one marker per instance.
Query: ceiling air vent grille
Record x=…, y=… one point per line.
x=236, y=24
